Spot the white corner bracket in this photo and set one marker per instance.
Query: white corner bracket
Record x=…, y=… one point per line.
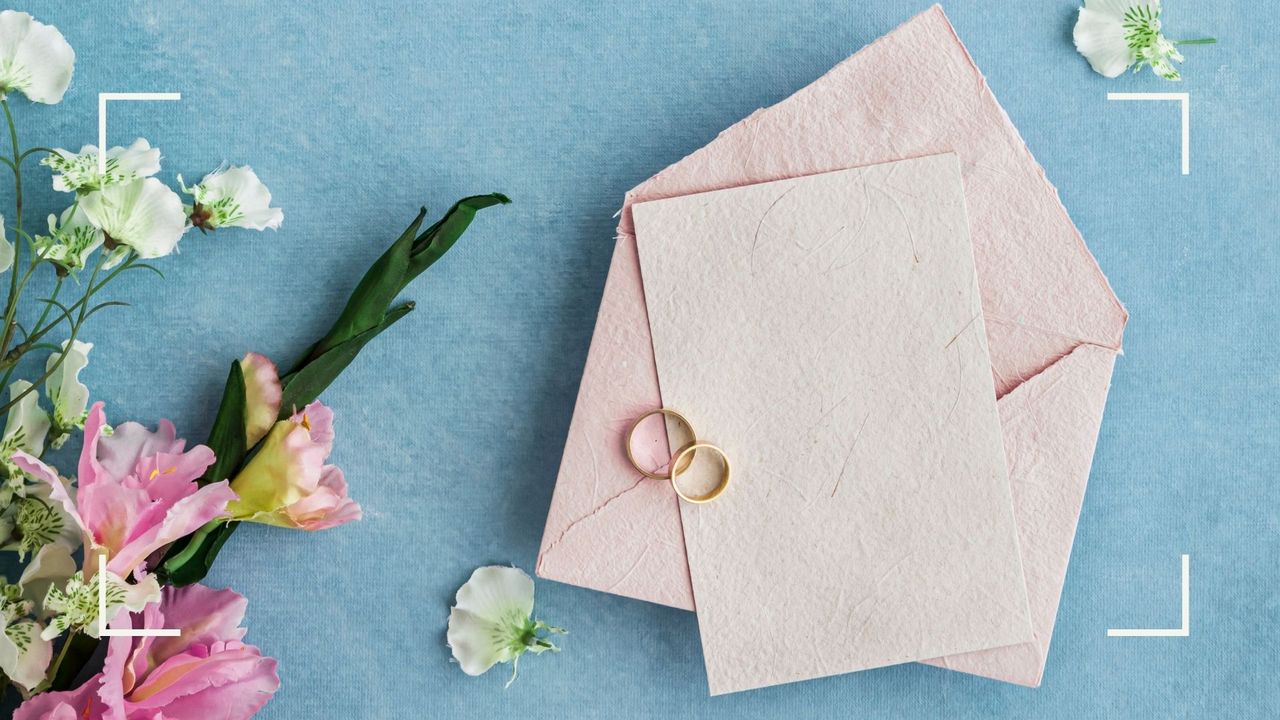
x=102, y=117
x=105, y=631
x=1185, y=99
x=1185, y=630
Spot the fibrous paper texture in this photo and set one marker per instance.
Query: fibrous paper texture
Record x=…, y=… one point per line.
x=826, y=332
x=1053, y=325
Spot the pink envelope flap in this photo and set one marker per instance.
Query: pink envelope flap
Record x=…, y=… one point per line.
x=914, y=92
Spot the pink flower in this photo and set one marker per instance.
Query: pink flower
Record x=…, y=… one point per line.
x=137, y=491
x=206, y=672
x=288, y=484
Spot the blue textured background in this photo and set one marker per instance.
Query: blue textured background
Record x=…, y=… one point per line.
x=451, y=426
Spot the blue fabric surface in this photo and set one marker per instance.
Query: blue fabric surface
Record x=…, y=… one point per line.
x=450, y=427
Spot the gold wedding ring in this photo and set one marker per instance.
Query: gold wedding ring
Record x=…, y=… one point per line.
x=689, y=450
x=693, y=440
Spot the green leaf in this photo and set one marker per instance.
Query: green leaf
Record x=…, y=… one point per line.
x=431, y=245
x=306, y=384
x=375, y=292
x=227, y=438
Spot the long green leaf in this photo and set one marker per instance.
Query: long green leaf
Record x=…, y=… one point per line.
x=376, y=290
x=227, y=438
x=431, y=245
x=306, y=385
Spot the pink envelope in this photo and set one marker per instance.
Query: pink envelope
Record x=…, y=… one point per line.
x=1053, y=324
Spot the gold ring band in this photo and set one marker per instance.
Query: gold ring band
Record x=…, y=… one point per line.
x=672, y=463
x=676, y=470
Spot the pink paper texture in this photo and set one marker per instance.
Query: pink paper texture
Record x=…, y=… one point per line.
x=818, y=329
x=1053, y=324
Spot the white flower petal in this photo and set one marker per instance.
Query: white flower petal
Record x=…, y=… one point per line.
x=144, y=214
x=1100, y=38
x=53, y=565
x=69, y=396
x=490, y=622
x=234, y=197
x=34, y=58
x=1117, y=8
x=477, y=644
x=6, y=248
x=496, y=593
x=78, y=172
x=28, y=424
x=24, y=654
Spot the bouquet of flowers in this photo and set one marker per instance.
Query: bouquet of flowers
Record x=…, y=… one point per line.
x=114, y=551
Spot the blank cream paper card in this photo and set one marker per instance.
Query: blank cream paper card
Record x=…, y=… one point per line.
x=827, y=333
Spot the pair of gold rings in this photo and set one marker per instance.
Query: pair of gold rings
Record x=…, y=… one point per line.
x=681, y=459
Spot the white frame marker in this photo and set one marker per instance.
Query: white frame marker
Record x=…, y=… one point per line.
x=102, y=558
x=1185, y=99
x=102, y=611
x=102, y=117
x=1185, y=630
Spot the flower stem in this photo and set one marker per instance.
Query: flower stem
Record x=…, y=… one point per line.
x=57, y=662
x=66, y=349
x=1197, y=41
x=11, y=306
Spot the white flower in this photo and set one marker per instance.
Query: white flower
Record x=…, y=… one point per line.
x=232, y=197
x=78, y=172
x=70, y=241
x=25, y=430
x=42, y=522
x=76, y=607
x=24, y=652
x=6, y=249
x=492, y=622
x=34, y=58
x=1115, y=34
x=69, y=396
x=144, y=215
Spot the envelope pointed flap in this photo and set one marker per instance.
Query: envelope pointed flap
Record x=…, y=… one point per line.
x=609, y=528
x=916, y=92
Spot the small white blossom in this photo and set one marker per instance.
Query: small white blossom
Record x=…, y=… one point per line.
x=1116, y=34
x=34, y=58
x=491, y=621
x=78, y=172
x=25, y=430
x=144, y=215
x=69, y=396
x=70, y=241
x=76, y=606
x=232, y=197
x=24, y=652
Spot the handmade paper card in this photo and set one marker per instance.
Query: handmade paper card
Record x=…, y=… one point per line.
x=826, y=331
x=1053, y=325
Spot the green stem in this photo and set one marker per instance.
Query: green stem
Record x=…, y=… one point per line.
x=66, y=349
x=195, y=542
x=57, y=662
x=11, y=306
x=1197, y=41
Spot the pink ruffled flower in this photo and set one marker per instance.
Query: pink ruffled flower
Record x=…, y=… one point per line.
x=288, y=483
x=137, y=491
x=206, y=672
